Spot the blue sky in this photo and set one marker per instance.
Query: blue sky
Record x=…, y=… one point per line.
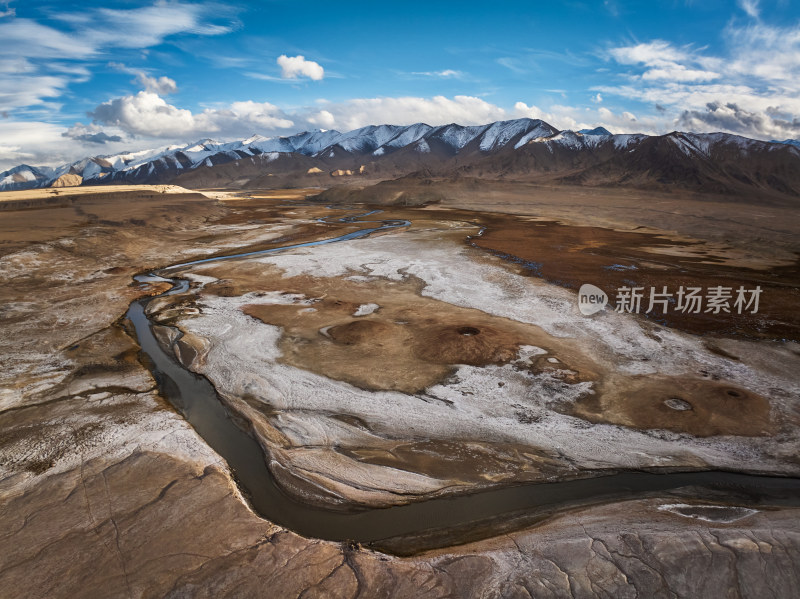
x=102, y=77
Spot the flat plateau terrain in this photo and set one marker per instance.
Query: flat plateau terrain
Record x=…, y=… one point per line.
x=444, y=355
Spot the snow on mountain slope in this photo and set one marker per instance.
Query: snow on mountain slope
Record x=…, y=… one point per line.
x=456, y=136
x=568, y=139
x=500, y=133
x=422, y=147
x=705, y=143
x=312, y=142
x=129, y=160
x=408, y=135
x=367, y=139
x=624, y=140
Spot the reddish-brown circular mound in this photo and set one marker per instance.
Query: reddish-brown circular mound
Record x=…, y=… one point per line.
x=698, y=407
x=465, y=344
x=362, y=331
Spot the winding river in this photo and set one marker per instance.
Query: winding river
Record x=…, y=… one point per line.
x=426, y=524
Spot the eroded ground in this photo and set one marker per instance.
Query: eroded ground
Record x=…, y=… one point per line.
x=376, y=371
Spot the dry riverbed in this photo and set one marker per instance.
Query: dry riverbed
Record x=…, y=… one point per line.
x=375, y=371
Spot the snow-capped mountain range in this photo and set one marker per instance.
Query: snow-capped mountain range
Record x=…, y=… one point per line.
x=378, y=140
x=515, y=148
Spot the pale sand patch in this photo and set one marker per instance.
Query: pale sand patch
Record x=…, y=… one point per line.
x=47, y=192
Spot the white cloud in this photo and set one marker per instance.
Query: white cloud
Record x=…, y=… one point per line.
x=716, y=116
x=512, y=64
x=16, y=64
x=522, y=110
x=322, y=119
x=145, y=26
x=147, y=114
x=94, y=30
x=753, y=90
x=439, y=110
x=657, y=52
x=766, y=53
x=90, y=134
x=33, y=56
x=576, y=118
x=678, y=72
x=445, y=74
x=18, y=91
x=449, y=73
x=293, y=67
x=31, y=142
x=157, y=85
x=11, y=156
x=750, y=7
x=663, y=61
x=40, y=41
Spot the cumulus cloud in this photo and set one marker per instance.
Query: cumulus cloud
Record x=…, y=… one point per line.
x=157, y=85
x=293, y=67
x=148, y=114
